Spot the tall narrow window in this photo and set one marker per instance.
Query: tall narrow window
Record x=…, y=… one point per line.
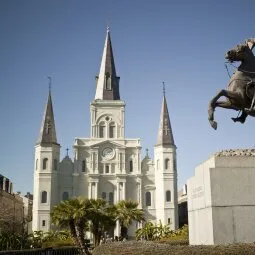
x=36, y=164
x=131, y=165
x=65, y=195
x=166, y=163
x=55, y=164
x=175, y=167
x=169, y=221
x=111, y=198
x=44, y=197
x=121, y=163
x=148, y=198
x=104, y=195
x=43, y=223
x=168, y=196
x=107, y=169
x=102, y=130
x=45, y=163
x=83, y=165
x=112, y=130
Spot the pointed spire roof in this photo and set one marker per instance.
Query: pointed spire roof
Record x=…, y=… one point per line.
x=47, y=135
x=107, y=80
x=165, y=134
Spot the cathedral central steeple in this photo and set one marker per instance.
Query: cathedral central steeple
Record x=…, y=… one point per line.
x=107, y=80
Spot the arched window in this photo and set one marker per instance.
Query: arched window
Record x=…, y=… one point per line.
x=36, y=164
x=83, y=166
x=148, y=198
x=65, y=195
x=102, y=130
x=166, y=163
x=131, y=165
x=168, y=196
x=112, y=130
x=104, y=195
x=111, y=198
x=107, y=169
x=44, y=197
x=45, y=163
x=55, y=164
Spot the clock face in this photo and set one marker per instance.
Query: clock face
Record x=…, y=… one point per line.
x=108, y=153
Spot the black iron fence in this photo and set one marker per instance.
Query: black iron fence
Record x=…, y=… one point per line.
x=47, y=251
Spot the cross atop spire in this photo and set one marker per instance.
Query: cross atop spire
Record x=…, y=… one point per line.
x=49, y=83
x=67, y=151
x=164, y=89
x=107, y=80
x=147, y=153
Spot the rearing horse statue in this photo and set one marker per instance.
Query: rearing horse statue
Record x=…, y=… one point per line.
x=240, y=93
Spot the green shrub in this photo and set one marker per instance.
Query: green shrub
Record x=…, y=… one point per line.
x=57, y=243
x=174, y=242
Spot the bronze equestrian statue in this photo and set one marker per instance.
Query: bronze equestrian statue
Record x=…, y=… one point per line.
x=240, y=93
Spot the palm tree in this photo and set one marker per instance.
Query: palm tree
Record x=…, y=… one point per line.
x=100, y=218
x=80, y=206
x=72, y=213
x=62, y=216
x=126, y=212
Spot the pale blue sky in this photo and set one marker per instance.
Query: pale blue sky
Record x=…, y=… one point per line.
x=180, y=42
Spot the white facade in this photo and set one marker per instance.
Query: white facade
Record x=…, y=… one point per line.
x=107, y=165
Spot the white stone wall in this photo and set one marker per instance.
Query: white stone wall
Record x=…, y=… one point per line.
x=166, y=180
x=45, y=180
x=221, y=201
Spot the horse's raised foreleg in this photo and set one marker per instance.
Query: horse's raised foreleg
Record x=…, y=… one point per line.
x=213, y=104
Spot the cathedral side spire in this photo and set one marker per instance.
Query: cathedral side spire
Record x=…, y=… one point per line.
x=107, y=80
x=47, y=135
x=165, y=134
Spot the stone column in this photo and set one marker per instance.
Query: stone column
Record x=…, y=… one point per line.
x=96, y=189
x=138, y=160
x=117, y=229
x=90, y=190
x=124, y=162
x=118, y=192
x=140, y=193
x=4, y=183
x=124, y=190
x=10, y=187
x=96, y=162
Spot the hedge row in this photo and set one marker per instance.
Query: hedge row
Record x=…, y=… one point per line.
x=151, y=248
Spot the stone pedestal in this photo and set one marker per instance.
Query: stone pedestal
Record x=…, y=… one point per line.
x=221, y=199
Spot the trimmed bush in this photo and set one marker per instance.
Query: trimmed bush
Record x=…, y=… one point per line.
x=152, y=248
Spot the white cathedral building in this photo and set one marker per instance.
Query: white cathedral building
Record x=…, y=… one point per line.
x=107, y=164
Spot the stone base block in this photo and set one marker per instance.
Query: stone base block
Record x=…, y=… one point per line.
x=221, y=199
